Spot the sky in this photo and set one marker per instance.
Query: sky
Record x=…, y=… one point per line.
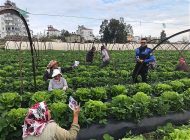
x=145, y=16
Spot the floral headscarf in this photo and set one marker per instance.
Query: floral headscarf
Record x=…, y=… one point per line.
x=36, y=120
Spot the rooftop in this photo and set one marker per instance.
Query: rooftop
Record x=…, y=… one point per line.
x=84, y=28
x=51, y=28
x=9, y=4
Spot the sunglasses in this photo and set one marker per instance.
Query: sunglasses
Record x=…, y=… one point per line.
x=143, y=42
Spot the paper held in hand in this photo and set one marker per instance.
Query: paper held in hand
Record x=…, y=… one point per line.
x=76, y=63
x=72, y=103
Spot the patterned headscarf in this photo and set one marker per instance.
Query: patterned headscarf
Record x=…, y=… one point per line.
x=36, y=120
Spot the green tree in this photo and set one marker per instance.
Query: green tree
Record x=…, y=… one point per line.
x=162, y=35
x=115, y=31
x=64, y=33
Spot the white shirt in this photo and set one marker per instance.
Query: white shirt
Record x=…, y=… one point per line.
x=62, y=84
x=105, y=55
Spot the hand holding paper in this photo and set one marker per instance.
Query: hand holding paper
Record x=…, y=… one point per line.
x=72, y=103
x=76, y=63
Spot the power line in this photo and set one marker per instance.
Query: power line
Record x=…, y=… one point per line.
x=92, y=18
x=66, y=16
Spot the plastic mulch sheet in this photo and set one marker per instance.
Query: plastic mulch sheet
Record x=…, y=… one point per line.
x=118, y=129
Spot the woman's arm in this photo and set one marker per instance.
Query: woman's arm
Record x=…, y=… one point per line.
x=72, y=133
x=65, y=85
x=103, y=53
x=66, y=69
x=50, y=87
x=46, y=75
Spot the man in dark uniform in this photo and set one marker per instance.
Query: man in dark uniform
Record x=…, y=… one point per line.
x=90, y=55
x=143, y=58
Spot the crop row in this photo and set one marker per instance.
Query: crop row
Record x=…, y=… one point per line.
x=121, y=106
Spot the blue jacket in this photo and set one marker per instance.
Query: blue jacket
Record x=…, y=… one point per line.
x=144, y=54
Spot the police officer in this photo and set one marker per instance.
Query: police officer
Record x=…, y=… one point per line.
x=143, y=58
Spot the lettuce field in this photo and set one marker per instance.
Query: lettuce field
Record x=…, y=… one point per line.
x=105, y=94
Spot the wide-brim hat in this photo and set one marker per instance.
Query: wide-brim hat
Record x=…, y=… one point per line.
x=56, y=72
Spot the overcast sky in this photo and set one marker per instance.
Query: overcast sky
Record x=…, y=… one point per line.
x=152, y=13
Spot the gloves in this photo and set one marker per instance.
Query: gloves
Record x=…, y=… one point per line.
x=65, y=88
x=76, y=63
x=140, y=60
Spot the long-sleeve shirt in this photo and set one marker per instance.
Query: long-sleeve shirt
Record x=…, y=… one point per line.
x=183, y=67
x=48, y=73
x=144, y=54
x=57, y=85
x=54, y=132
x=105, y=56
x=90, y=56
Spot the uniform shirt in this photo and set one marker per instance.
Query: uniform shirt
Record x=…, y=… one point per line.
x=144, y=53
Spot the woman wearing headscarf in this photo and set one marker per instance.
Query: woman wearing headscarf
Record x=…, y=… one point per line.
x=182, y=65
x=38, y=125
x=53, y=64
x=105, y=56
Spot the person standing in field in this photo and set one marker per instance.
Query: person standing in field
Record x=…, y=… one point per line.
x=90, y=55
x=105, y=56
x=143, y=56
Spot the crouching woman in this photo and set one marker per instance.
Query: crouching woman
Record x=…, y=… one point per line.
x=58, y=82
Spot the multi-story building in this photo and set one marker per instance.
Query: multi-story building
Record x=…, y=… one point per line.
x=12, y=25
x=74, y=38
x=52, y=32
x=85, y=33
x=136, y=39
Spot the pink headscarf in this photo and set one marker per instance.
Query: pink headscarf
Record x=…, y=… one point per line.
x=36, y=120
x=181, y=60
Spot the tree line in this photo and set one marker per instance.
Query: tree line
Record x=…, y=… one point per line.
x=111, y=31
